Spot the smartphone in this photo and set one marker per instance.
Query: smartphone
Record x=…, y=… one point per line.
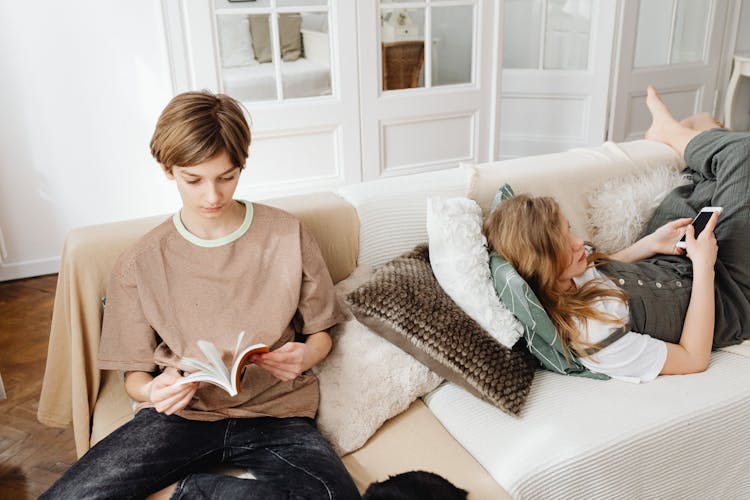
x=699, y=223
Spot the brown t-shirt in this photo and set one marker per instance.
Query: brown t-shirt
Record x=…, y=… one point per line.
x=172, y=289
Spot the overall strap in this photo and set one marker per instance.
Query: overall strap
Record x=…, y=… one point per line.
x=616, y=334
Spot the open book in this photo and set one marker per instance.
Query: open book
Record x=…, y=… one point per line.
x=215, y=372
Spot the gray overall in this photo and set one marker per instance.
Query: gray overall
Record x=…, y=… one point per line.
x=659, y=287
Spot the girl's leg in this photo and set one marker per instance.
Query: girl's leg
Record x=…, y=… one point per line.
x=142, y=456
x=722, y=159
x=288, y=457
x=686, y=200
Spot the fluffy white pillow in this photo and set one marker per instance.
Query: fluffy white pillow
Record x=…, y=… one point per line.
x=621, y=207
x=460, y=262
x=234, y=41
x=365, y=380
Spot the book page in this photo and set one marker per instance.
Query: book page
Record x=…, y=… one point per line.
x=215, y=372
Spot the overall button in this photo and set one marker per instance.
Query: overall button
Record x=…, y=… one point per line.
x=640, y=282
x=679, y=284
x=621, y=281
x=658, y=285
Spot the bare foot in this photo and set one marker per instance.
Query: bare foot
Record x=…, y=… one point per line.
x=663, y=123
x=664, y=128
x=702, y=121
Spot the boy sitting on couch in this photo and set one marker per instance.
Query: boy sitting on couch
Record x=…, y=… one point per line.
x=218, y=267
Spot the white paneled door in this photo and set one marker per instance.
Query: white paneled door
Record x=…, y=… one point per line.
x=556, y=73
x=292, y=63
x=676, y=46
x=426, y=76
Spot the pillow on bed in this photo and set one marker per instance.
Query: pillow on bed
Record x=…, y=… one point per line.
x=459, y=260
x=539, y=331
x=290, y=37
x=234, y=41
x=404, y=303
x=365, y=380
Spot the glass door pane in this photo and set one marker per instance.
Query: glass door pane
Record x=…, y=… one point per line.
x=690, y=28
x=671, y=32
x=547, y=34
x=256, y=66
x=403, y=51
x=407, y=62
x=653, y=34
x=305, y=54
x=452, y=38
x=522, y=29
x=566, y=40
x=247, y=67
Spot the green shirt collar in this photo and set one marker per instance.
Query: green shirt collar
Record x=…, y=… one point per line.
x=233, y=236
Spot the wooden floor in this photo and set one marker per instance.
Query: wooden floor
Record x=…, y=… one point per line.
x=32, y=456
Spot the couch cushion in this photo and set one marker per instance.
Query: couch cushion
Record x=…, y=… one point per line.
x=622, y=206
x=405, y=304
x=415, y=440
x=393, y=211
x=681, y=436
x=570, y=175
x=365, y=380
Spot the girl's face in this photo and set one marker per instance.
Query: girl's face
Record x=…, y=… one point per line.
x=575, y=256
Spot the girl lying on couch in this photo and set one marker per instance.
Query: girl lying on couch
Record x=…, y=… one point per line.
x=648, y=309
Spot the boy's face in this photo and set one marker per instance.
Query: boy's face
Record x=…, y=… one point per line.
x=207, y=189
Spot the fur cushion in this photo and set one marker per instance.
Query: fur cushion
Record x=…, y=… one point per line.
x=459, y=259
x=365, y=380
x=405, y=304
x=621, y=207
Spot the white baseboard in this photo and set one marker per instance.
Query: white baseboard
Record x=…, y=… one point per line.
x=29, y=268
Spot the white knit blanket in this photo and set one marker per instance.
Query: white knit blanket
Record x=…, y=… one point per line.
x=677, y=437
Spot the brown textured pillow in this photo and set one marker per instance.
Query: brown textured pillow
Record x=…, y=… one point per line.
x=405, y=304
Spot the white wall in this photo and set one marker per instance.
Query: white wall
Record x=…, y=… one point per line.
x=82, y=86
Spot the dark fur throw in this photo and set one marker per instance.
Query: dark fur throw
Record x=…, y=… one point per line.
x=414, y=485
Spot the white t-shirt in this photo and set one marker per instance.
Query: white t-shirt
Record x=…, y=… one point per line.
x=634, y=357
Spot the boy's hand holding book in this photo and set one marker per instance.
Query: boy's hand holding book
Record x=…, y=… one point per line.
x=285, y=363
x=167, y=396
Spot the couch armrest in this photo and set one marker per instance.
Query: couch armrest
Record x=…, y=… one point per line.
x=72, y=380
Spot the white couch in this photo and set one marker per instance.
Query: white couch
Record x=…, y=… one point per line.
x=677, y=437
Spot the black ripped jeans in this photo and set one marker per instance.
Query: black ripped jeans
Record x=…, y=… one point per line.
x=288, y=457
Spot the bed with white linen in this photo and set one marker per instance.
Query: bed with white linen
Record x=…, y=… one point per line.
x=246, y=79
x=301, y=78
x=676, y=437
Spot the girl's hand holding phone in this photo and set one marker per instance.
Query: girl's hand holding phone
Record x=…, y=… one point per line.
x=703, y=249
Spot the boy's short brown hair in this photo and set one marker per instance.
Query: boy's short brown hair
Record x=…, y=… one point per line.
x=197, y=126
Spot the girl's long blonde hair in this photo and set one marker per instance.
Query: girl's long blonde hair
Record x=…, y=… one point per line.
x=527, y=232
